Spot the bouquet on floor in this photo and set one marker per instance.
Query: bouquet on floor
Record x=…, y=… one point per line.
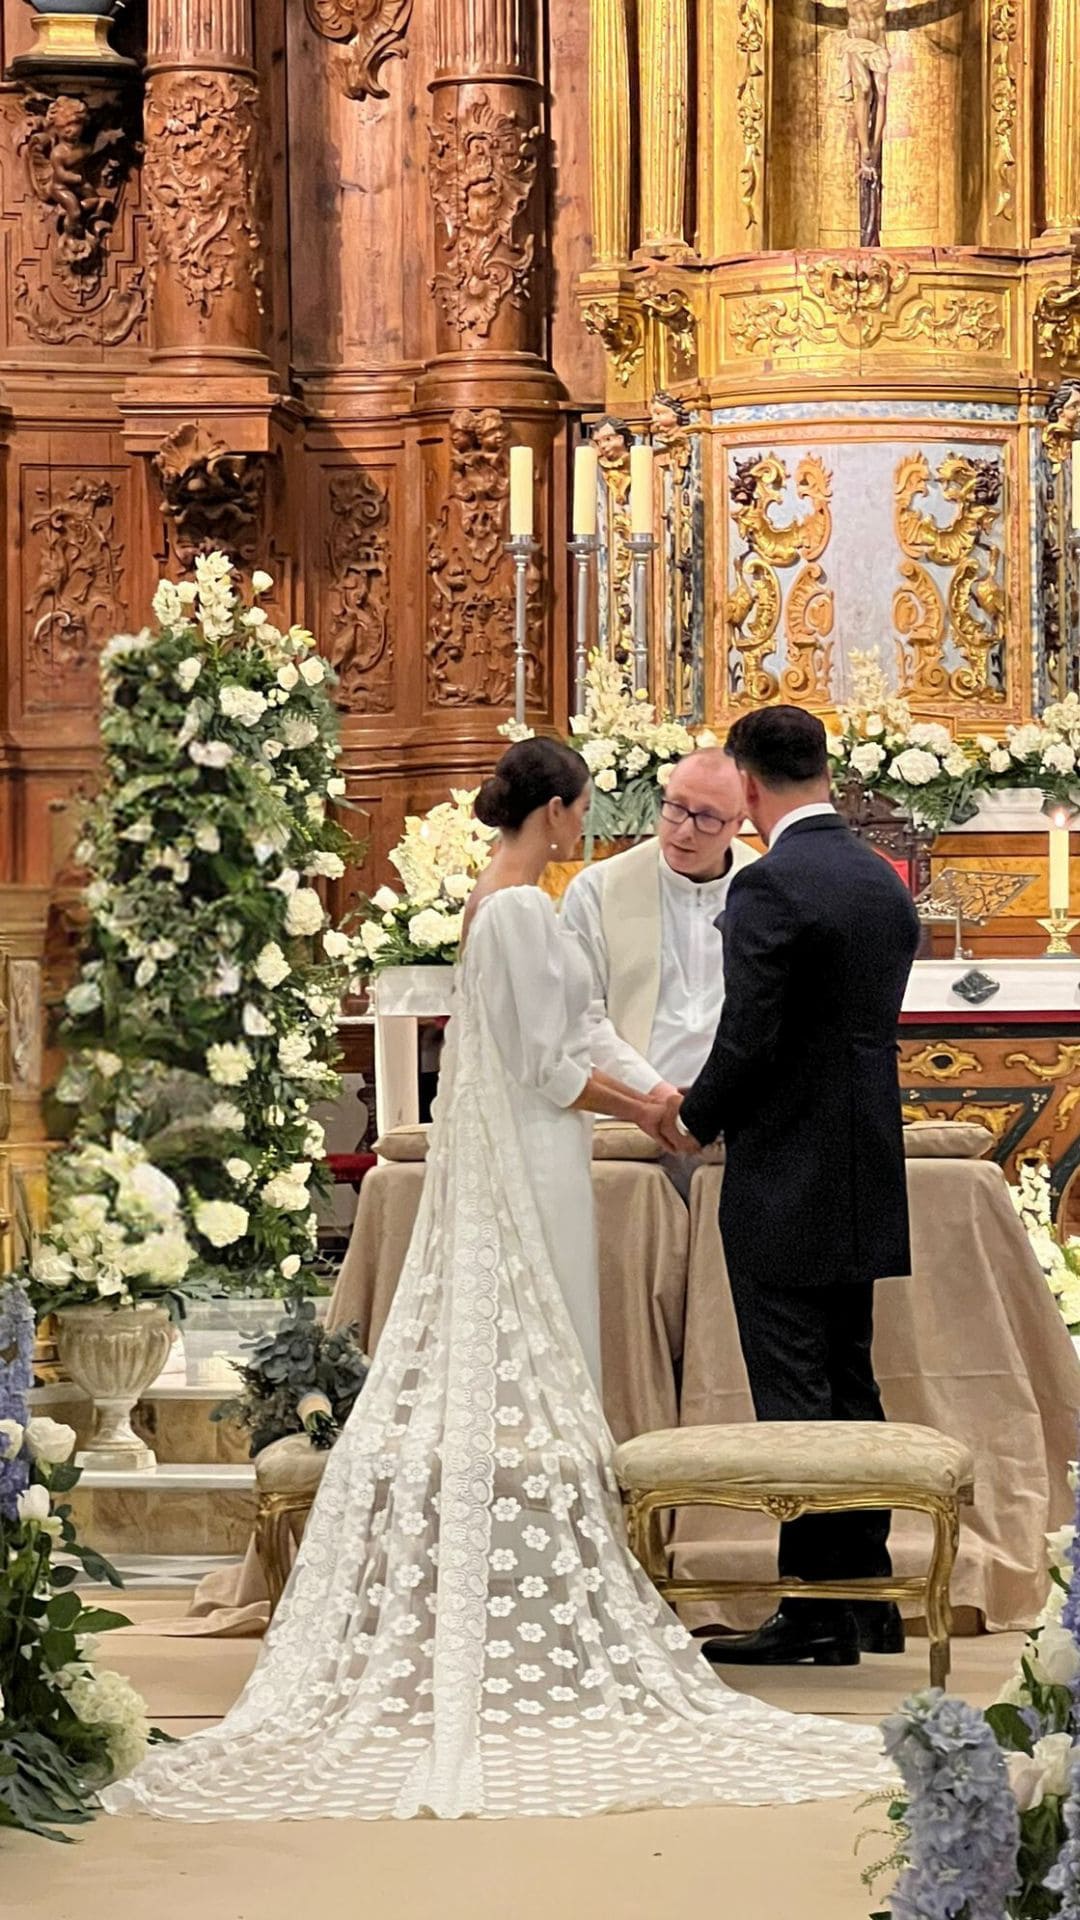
x=990, y=1812
x=299, y=1379
x=1059, y=1261
x=67, y=1727
x=203, y=1025
x=439, y=858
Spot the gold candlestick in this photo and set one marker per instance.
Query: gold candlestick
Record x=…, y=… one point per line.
x=1059, y=926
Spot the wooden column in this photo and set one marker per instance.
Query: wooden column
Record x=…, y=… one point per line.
x=664, y=80
x=1061, y=120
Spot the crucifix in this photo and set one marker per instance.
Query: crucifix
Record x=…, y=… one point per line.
x=865, y=54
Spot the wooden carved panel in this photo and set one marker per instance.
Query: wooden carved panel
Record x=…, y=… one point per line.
x=203, y=182
x=374, y=32
x=357, y=616
x=483, y=165
x=73, y=526
x=470, y=641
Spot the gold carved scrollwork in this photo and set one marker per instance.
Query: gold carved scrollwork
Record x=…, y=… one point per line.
x=620, y=333
x=375, y=32
x=1067, y=1062
x=976, y=596
x=750, y=107
x=672, y=307
x=1003, y=103
x=755, y=602
x=483, y=165
x=612, y=442
x=1057, y=321
x=859, y=301
x=996, y=1119
x=940, y=1060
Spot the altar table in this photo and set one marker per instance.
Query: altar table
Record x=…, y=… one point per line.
x=972, y=1344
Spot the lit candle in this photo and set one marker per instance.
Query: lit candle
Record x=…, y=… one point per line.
x=585, y=465
x=521, y=493
x=1059, y=864
x=1076, y=485
x=641, y=501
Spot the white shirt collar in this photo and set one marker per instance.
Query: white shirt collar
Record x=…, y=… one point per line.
x=812, y=812
x=704, y=889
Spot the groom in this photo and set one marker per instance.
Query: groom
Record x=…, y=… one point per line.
x=819, y=938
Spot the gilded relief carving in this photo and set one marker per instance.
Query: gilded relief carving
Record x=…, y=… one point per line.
x=940, y=1060
x=750, y=107
x=859, y=301
x=358, y=581
x=619, y=332
x=1003, y=104
x=210, y=497
x=1062, y=1067
x=203, y=182
x=672, y=307
x=611, y=438
x=975, y=596
x=470, y=640
x=483, y=165
x=756, y=600
x=374, y=32
x=75, y=601
x=1057, y=320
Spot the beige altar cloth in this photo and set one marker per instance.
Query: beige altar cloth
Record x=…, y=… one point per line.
x=972, y=1344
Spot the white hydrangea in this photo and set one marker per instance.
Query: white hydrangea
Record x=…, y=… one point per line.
x=229, y=1063
x=243, y=704
x=932, y=735
x=431, y=929
x=1059, y=758
x=915, y=767
x=271, y=966
x=867, y=759
x=374, y=939
x=304, y=914
x=221, y=1222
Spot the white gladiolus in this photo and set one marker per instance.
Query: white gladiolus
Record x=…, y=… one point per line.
x=33, y=1504
x=49, y=1441
x=221, y=1222
x=304, y=914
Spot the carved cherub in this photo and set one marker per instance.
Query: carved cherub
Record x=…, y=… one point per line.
x=76, y=170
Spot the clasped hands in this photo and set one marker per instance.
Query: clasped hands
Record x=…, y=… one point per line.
x=662, y=1108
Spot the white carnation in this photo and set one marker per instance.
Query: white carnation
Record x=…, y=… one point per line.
x=221, y=1222
x=431, y=929
x=304, y=914
x=228, y=1064
x=956, y=763
x=271, y=967
x=49, y=1441
x=245, y=704
x=915, y=767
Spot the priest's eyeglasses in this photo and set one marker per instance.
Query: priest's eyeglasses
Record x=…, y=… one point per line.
x=706, y=822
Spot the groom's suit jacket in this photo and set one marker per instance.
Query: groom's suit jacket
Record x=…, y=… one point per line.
x=819, y=937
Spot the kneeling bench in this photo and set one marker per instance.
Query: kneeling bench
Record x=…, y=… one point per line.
x=791, y=1467
x=287, y=1476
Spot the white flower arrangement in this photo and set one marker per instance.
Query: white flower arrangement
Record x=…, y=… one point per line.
x=630, y=754
x=117, y=1232
x=1059, y=1261
x=208, y=998
x=439, y=857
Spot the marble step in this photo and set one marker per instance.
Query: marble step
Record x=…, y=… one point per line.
x=172, y=1417
x=190, y=1508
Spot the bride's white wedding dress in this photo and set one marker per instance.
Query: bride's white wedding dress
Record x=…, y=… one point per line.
x=465, y=1631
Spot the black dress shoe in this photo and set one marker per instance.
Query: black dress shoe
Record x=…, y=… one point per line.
x=789, y=1639
x=881, y=1630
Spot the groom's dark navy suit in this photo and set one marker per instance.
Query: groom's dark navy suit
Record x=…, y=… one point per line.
x=819, y=938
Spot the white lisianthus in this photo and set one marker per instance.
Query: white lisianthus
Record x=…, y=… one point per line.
x=11, y=1439
x=1055, y=1658
x=297, y=732
x=336, y=945
x=290, y=1266
x=145, y=972
x=304, y=914
x=215, y=754
x=606, y=780
x=386, y=900
x=261, y=582
x=244, y=704
x=50, y=1441
x=294, y=1054
x=287, y=677
x=221, y=1222
x=228, y=1064
x=208, y=839
x=255, y=1023
x=32, y=1505
x=867, y=758
x=326, y=866
x=636, y=761
x=271, y=967
x=915, y=767
x=286, y=1194
x=84, y=997
x=313, y=671
x=238, y=1170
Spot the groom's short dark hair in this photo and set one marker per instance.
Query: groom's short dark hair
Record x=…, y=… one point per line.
x=780, y=746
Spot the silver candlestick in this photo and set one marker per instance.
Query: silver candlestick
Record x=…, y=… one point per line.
x=642, y=547
x=521, y=547
x=584, y=547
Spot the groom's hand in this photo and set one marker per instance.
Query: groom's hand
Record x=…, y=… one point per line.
x=672, y=1136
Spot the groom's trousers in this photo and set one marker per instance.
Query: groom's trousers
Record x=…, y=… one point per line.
x=808, y=1355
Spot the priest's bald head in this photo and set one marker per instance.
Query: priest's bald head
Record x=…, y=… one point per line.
x=704, y=806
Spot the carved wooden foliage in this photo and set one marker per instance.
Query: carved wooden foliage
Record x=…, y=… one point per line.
x=203, y=182
x=374, y=31
x=211, y=498
x=483, y=165
x=73, y=559
x=470, y=642
x=359, y=628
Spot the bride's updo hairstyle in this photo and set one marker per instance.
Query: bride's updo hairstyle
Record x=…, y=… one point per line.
x=530, y=774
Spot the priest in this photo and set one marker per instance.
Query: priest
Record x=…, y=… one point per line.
x=651, y=922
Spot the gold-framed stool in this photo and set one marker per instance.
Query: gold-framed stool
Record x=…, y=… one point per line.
x=791, y=1467
x=287, y=1477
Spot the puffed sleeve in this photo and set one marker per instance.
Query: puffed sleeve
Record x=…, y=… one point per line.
x=521, y=957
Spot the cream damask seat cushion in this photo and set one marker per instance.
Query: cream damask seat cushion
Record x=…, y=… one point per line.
x=810, y=1453
x=618, y=1140
x=291, y=1465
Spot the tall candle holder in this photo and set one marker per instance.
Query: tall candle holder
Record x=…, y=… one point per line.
x=521, y=547
x=642, y=547
x=584, y=547
x=1058, y=925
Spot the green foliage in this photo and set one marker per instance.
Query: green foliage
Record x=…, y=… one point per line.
x=299, y=1357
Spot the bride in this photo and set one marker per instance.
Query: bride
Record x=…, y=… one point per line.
x=465, y=1631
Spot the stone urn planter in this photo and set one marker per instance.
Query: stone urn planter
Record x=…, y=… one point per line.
x=114, y=1353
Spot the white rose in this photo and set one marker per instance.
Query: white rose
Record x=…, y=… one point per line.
x=188, y=672
x=290, y=1265
x=11, y=1439
x=287, y=676
x=304, y=914
x=663, y=775
x=271, y=967
x=287, y=1194
x=1055, y=1659
x=33, y=1504
x=335, y=787
x=84, y=997
x=261, y=582
x=210, y=753
x=244, y=704
x=238, y=1170
x=255, y=1022
x=52, y=1269
x=867, y=759
x=227, y=1064
x=299, y=733
x=915, y=767
x=1058, y=758
x=456, y=886
x=336, y=945
x=314, y=671
x=1000, y=760
x=328, y=866
x=386, y=900
x=49, y=1441
x=221, y=1222
x=1044, y=1771
x=208, y=839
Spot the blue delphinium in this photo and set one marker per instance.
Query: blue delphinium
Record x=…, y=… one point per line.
x=1064, y=1878
x=16, y=1379
x=962, y=1814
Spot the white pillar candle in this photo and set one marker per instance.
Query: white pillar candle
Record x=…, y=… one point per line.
x=585, y=469
x=521, y=493
x=1059, y=865
x=641, y=488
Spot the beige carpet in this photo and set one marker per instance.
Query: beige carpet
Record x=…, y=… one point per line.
x=729, y=1863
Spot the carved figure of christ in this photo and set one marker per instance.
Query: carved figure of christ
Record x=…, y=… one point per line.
x=865, y=54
